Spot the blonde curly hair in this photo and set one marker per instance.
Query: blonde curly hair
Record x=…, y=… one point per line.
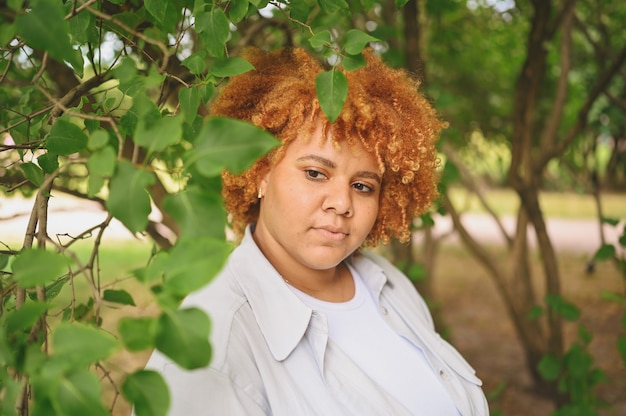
x=384, y=112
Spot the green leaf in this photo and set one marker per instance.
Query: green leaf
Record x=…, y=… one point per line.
x=97, y=140
x=102, y=162
x=66, y=138
x=137, y=333
x=49, y=162
x=605, y=252
x=24, y=317
x=7, y=33
x=401, y=3
x=353, y=62
x=128, y=200
x=34, y=267
x=196, y=62
x=44, y=28
x=82, y=345
x=82, y=26
x=549, y=367
x=157, y=8
x=299, y=11
x=148, y=392
x=231, y=144
x=154, y=270
x=189, y=100
x=157, y=135
x=559, y=305
x=118, y=296
x=611, y=221
x=356, y=40
x=193, y=264
x=535, y=313
x=368, y=4
x=79, y=394
x=214, y=30
x=231, y=66
x=238, y=10
x=197, y=212
x=183, y=336
x=11, y=391
x=333, y=6
x=332, y=91
x=33, y=173
x=320, y=39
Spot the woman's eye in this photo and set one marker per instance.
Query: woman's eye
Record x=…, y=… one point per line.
x=363, y=188
x=314, y=174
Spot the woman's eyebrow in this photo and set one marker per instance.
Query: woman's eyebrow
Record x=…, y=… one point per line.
x=370, y=175
x=330, y=164
x=326, y=162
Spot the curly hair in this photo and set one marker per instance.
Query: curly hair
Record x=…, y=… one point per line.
x=384, y=112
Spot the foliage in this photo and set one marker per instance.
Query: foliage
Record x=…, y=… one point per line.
x=106, y=100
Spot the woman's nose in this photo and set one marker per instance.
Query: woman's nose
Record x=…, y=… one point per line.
x=338, y=199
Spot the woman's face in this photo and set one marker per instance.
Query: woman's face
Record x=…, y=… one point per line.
x=319, y=204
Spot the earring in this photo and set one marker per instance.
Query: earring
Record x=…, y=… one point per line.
x=260, y=194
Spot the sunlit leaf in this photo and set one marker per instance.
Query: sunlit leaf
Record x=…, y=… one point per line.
x=137, y=333
x=231, y=66
x=44, y=28
x=332, y=91
x=26, y=316
x=34, y=267
x=79, y=394
x=97, y=140
x=157, y=134
x=148, y=392
x=82, y=344
x=193, y=264
x=214, y=30
x=66, y=138
x=197, y=212
x=102, y=162
x=356, y=40
x=228, y=144
x=320, y=39
x=183, y=336
x=128, y=198
x=353, y=62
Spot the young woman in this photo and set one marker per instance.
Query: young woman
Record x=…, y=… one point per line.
x=304, y=320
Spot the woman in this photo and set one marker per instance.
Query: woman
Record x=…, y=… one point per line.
x=304, y=322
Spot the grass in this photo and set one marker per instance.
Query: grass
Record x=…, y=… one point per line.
x=568, y=205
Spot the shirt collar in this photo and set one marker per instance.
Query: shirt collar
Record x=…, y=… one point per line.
x=282, y=317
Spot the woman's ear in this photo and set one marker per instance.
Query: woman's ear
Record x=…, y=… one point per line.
x=263, y=184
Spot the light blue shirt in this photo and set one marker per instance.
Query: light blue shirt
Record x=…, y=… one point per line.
x=272, y=354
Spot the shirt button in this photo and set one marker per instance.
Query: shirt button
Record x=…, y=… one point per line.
x=443, y=374
x=384, y=310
